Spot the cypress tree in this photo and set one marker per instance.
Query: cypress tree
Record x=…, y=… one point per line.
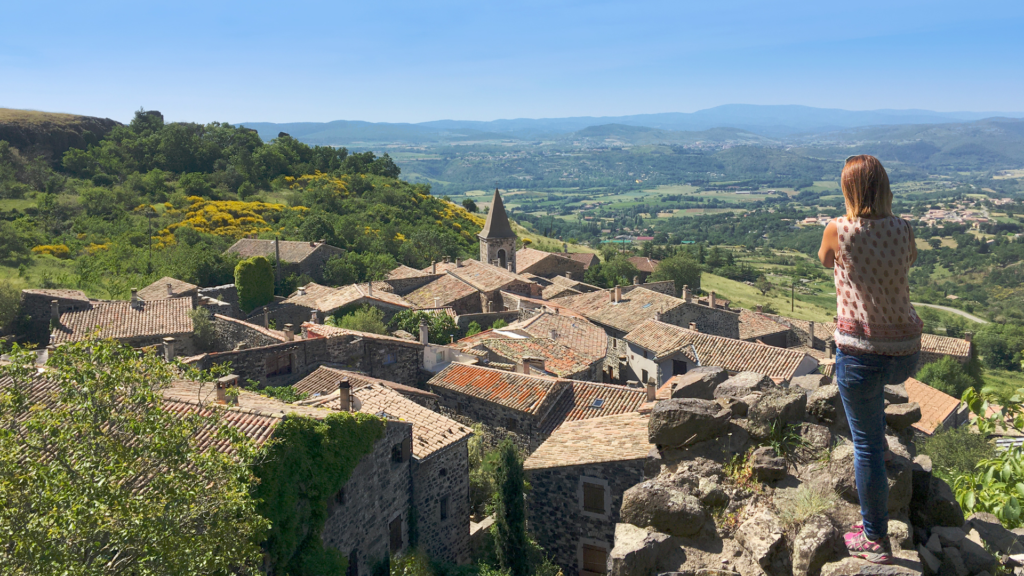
x=510, y=512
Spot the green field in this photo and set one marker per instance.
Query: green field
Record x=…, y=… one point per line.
x=817, y=308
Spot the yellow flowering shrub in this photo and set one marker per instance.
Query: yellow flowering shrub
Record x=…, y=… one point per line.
x=232, y=219
x=339, y=185
x=55, y=250
x=94, y=248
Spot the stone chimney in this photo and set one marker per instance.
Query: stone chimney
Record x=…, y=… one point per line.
x=437, y=302
x=657, y=316
x=266, y=318
x=168, y=349
x=223, y=383
x=170, y=290
x=618, y=293
x=687, y=296
x=289, y=332
x=554, y=334
x=611, y=294
x=636, y=280
x=693, y=326
x=445, y=259
x=711, y=299
x=652, y=390
x=424, y=332
x=458, y=262
x=810, y=334
x=344, y=395
x=433, y=266
x=760, y=308
x=369, y=288
x=533, y=365
x=54, y=310
x=968, y=335
x=314, y=318
x=568, y=275
x=136, y=303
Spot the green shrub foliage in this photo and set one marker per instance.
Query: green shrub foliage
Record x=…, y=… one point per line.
x=510, y=511
x=254, y=280
x=304, y=466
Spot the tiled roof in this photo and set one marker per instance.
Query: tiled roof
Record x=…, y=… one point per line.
x=404, y=271
x=560, y=360
x=553, y=305
x=325, y=331
x=754, y=325
x=609, y=439
x=526, y=257
x=325, y=379
x=812, y=352
x=515, y=391
x=578, y=403
x=475, y=340
x=327, y=299
x=588, y=339
x=485, y=277
x=58, y=294
x=497, y=225
x=936, y=405
x=574, y=284
x=447, y=290
x=291, y=251
x=636, y=306
x=945, y=345
x=827, y=367
x=643, y=264
x=557, y=291
x=708, y=350
x=158, y=290
x=430, y=431
x=119, y=320
x=275, y=334
x=586, y=258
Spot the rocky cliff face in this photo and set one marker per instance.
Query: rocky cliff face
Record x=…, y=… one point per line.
x=761, y=483
x=49, y=134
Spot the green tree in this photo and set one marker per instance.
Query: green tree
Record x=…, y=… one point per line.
x=509, y=527
x=935, y=243
x=194, y=184
x=682, y=269
x=204, y=334
x=763, y=285
x=469, y=205
x=441, y=326
x=365, y=319
x=254, y=280
x=473, y=329
x=499, y=323
x=97, y=477
x=947, y=375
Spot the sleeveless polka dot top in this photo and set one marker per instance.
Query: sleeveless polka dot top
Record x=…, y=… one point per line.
x=872, y=292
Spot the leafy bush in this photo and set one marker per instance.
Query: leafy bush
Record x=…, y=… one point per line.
x=442, y=326
x=956, y=451
x=499, y=323
x=203, y=332
x=509, y=527
x=365, y=319
x=684, y=270
x=254, y=281
x=10, y=301
x=947, y=375
x=473, y=329
x=55, y=250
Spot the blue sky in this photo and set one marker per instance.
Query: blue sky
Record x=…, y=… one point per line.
x=481, y=60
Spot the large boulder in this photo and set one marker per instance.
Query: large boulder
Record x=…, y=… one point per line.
x=921, y=479
x=766, y=465
x=896, y=394
x=906, y=563
x=682, y=421
x=743, y=384
x=844, y=482
x=976, y=559
x=698, y=383
x=813, y=545
x=939, y=509
x=664, y=508
x=952, y=563
x=641, y=552
x=826, y=405
x=992, y=532
x=810, y=382
x=761, y=535
x=776, y=407
x=901, y=416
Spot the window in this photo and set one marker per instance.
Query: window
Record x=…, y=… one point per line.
x=511, y=425
x=278, y=364
x=458, y=408
x=396, y=453
x=395, y=532
x=440, y=356
x=645, y=354
x=353, y=564
x=614, y=342
x=444, y=507
x=643, y=377
x=678, y=367
x=390, y=358
x=593, y=498
x=595, y=559
x=442, y=472
x=501, y=258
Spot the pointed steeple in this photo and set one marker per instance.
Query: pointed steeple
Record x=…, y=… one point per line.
x=497, y=225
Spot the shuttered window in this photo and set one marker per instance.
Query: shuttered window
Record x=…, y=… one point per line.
x=395, y=532
x=593, y=498
x=595, y=559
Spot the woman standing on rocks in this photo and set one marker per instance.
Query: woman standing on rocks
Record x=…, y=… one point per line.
x=878, y=333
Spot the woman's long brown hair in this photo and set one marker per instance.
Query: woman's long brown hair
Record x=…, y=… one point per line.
x=866, y=188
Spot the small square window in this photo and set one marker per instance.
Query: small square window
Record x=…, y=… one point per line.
x=396, y=453
x=595, y=559
x=593, y=498
x=512, y=425
x=440, y=356
x=390, y=358
x=444, y=507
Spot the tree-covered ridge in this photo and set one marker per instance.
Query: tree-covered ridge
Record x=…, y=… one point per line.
x=153, y=199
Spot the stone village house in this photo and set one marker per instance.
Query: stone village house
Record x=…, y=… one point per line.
x=293, y=257
x=136, y=323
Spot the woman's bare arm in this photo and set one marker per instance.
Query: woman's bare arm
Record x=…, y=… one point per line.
x=829, y=245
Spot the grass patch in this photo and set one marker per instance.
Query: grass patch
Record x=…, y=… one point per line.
x=796, y=505
x=819, y=308
x=955, y=451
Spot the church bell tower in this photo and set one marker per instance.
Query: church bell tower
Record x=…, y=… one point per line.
x=497, y=240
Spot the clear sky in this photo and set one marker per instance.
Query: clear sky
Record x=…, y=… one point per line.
x=482, y=60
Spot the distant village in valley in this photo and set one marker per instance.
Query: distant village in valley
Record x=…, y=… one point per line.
x=592, y=385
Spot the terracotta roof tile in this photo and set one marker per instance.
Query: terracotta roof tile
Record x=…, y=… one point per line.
x=559, y=360
x=485, y=277
x=636, y=306
x=444, y=291
x=325, y=379
x=589, y=339
x=119, y=320
x=404, y=271
x=325, y=331
x=608, y=439
x=586, y=258
x=708, y=350
x=946, y=346
x=431, y=431
x=936, y=405
x=644, y=264
x=557, y=291
x=327, y=299
x=58, y=294
x=578, y=403
x=158, y=290
x=827, y=367
x=754, y=325
x=291, y=251
x=515, y=391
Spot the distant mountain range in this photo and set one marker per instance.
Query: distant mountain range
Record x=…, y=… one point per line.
x=772, y=122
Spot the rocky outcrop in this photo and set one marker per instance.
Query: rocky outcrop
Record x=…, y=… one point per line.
x=682, y=421
x=51, y=134
x=663, y=507
x=775, y=408
x=698, y=383
x=639, y=552
x=743, y=385
x=901, y=416
x=766, y=465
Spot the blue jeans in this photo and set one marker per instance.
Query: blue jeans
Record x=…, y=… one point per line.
x=862, y=380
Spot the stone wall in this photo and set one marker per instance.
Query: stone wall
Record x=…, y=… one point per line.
x=251, y=364
x=379, y=358
x=555, y=265
x=313, y=265
x=498, y=422
x=378, y=492
x=555, y=514
x=226, y=293
x=403, y=286
x=35, y=315
x=485, y=319
x=443, y=479
x=231, y=333
x=713, y=321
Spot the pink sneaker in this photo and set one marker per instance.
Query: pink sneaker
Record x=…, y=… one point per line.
x=871, y=550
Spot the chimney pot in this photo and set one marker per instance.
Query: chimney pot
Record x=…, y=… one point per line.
x=969, y=336
x=636, y=280
x=554, y=334
x=266, y=318
x=223, y=383
x=168, y=349
x=135, y=298
x=289, y=332
x=170, y=290
x=657, y=316
x=369, y=288
x=458, y=262
x=54, y=310
x=424, y=332
x=618, y=293
x=711, y=299
x=693, y=326
x=490, y=306
x=314, y=318
x=652, y=390
x=437, y=302
x=760, y=308
x=433, y=266
x=686, y=293
x=445, y=259
x=344, y=395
